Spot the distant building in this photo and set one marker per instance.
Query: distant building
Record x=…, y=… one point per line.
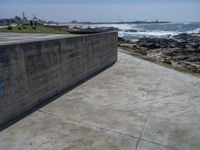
x=24, y=19
x=74, y=21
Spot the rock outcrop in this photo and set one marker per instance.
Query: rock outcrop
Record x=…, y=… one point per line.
x=182, y=51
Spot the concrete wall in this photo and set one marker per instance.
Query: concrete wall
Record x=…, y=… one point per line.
x=35, y=71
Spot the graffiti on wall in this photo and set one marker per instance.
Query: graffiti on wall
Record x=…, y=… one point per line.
x=12, y=83
x=2, y=88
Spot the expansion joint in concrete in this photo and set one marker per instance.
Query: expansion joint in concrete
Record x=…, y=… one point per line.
x=140, y=137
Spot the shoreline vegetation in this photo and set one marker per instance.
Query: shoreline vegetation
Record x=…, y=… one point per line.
x=182, y=52
x=27, y=28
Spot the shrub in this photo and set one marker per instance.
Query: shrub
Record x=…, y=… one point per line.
x=9, y=27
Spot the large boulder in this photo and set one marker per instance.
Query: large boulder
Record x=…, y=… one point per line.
x=182, y=36
x=131, y=30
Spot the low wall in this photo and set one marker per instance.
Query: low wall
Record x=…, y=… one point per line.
x=35, y=71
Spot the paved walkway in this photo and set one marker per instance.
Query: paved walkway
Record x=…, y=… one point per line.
x=134, y=105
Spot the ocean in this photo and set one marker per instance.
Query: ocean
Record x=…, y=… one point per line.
x=134, y=32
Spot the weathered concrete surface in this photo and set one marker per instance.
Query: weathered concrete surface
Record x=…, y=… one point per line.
x=134, y=105
x=35, y=70
x=10, y=38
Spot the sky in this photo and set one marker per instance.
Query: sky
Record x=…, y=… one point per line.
x=104, y=10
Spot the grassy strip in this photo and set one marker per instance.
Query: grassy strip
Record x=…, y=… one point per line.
x=183, y=70
x=29, y=29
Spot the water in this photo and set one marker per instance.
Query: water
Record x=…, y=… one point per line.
x=164, y=30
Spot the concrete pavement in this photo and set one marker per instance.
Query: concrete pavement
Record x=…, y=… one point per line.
x=9, y=38
x=134, y=105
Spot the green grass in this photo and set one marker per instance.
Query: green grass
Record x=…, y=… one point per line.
x=29, y=29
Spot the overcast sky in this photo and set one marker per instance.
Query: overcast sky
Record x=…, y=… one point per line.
x=104, y=10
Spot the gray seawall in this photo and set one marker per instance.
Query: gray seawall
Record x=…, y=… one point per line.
x=34, y=71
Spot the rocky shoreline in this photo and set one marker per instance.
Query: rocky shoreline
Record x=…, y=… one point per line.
x=180, y=51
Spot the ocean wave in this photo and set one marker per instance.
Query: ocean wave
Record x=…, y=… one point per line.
x=148, y=34
x=196, y=31
x=121, y=27
x=136, y=31
x=158, y=33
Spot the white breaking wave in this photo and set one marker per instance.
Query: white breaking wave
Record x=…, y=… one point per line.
x=122, y=27
x=126, y=31
x=160, y=34
x=157, y=33
x=123, y=30
x=196, y=31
